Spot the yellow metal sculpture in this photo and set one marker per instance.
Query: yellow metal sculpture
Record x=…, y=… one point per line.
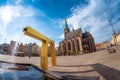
x=44, y=49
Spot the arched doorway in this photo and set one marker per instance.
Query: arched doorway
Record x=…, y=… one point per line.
x=78, y=45
x=64, y=49
x=69, y=48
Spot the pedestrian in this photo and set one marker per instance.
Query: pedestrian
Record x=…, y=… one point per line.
x=30, y=50
x=29, y=56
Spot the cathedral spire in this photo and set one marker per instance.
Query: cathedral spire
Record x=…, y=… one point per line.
x=66, y=30
x=66, y=25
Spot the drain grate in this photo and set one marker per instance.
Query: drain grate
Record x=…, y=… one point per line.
x=107, y=72
x=69, y=77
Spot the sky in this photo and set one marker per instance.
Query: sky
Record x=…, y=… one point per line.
x=47, y=17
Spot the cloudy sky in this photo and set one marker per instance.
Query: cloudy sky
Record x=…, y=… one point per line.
x=47, y=16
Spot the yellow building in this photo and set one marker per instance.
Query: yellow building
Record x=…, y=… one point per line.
x=115, y=39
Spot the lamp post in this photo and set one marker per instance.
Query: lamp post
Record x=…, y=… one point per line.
x=114, y=34
x=5, y=40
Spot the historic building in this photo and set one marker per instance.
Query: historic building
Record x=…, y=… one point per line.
x=103, y=45
x=35, y=50
x=115, y=38
x=76, y=42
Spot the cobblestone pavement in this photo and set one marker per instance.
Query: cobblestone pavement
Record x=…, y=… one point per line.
x=95, y=65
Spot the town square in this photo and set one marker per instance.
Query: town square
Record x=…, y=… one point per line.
x=59, y=40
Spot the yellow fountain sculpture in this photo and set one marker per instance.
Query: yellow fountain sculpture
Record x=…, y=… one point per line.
x=44, y=49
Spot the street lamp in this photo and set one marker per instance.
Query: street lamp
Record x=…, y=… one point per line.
x=5, y=41
x=114, y=34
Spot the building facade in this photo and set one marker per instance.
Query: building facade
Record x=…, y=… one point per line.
x=76, y=42
x=103, y=45
x=115, y=38
x=20, y=49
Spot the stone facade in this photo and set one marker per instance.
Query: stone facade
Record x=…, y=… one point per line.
x=103, y=45
x=76, y=42
x=115, y=38
x=35, y=50
x=20, y=49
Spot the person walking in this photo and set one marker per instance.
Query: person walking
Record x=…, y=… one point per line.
x=30, y=50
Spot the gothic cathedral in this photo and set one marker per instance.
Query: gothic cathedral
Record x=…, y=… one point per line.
x=76, y=42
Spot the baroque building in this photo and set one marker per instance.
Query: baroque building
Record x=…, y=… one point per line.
x=35, y=50
x=76, y=42
x=115, y=38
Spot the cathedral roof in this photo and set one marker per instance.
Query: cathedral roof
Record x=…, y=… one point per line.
x=86, y=34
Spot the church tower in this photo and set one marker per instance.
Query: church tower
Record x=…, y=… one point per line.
x=66, y=30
